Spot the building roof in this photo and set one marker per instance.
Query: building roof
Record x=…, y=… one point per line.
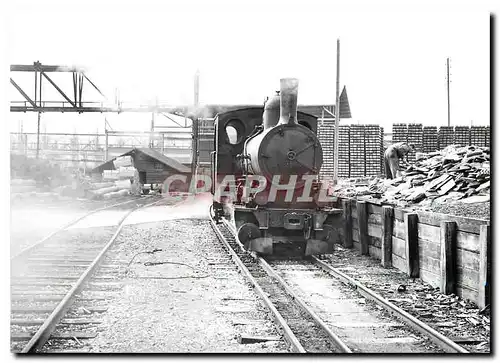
x=172, y=163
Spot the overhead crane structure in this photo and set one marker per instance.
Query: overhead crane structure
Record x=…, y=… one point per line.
x=34, y=99
x=70, y=102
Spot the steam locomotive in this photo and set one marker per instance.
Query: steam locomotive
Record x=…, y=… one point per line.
x=265, y=177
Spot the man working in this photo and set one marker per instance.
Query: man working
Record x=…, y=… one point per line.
x=392, y=155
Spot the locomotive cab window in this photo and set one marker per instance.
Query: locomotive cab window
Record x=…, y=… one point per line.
x=235, y=130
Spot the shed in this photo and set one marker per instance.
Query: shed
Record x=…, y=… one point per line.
x=152, y=165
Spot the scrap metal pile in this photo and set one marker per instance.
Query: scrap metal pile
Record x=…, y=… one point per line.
x=455, y=174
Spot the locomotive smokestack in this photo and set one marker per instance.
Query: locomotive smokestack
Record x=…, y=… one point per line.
x=289, y=88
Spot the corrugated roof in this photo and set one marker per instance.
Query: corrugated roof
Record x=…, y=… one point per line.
x=174, y=164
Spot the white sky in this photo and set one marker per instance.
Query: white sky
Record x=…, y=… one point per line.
x=393, y=59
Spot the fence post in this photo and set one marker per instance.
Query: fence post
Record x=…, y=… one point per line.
x=448, y=236
x=484, y=266
x=346, y=206
x=362, y=213
x=411, y=237
x=106, y=145
x=387, y=222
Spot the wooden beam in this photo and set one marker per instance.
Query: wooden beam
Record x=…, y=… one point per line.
x=387, y=222
x=448, y=238
x=464, y=224
x=411, y=238
x=484, y=266
x=346, y=206
x=362, y=213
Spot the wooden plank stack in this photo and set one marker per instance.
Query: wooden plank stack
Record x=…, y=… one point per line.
x=357, y=152
x=446, y=136
x=123, y=161
x=399, y=132
x=372, y=150
x=326, y=133
x=382, y=170
x=487, y=134
x=344, y=151
x=415, y=137
x=430, y=139
x=478, y=135
x=462, y=135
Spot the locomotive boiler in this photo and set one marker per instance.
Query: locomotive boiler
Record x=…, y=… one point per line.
x=265, y=171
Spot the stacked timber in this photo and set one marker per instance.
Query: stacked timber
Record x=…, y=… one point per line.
x=127, y=172
x=116, y=194
x=357, y=151
x=382, y=149
x=110, y=175
x=326, y=133
x=462, y=135
x=95, y=186
x=429, y=139
x=415, y=138
x=373, y=143
x=125, y=177
x=344, y=151
x=123, y=161
x=399, y=132
x=123, y=184
x=478, y=135
x=487, y=136
x=446, y=136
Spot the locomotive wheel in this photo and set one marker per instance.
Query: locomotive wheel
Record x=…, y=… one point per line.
x=248, y=232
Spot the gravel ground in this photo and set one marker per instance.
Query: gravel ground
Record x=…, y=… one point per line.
x=448, y=314
x=474, y=210
x=171, y=307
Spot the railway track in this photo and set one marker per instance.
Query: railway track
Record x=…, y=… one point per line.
x=321, y=310
x=59, y=284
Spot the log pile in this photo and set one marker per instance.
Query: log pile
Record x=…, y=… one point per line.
x=453, y=174
x=121, y=181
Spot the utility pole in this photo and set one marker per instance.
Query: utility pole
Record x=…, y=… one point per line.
x=105, y=140
x=38, y=136
x=197, y=88
x=337, y=115
x=448, y=86
x=152, y=130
